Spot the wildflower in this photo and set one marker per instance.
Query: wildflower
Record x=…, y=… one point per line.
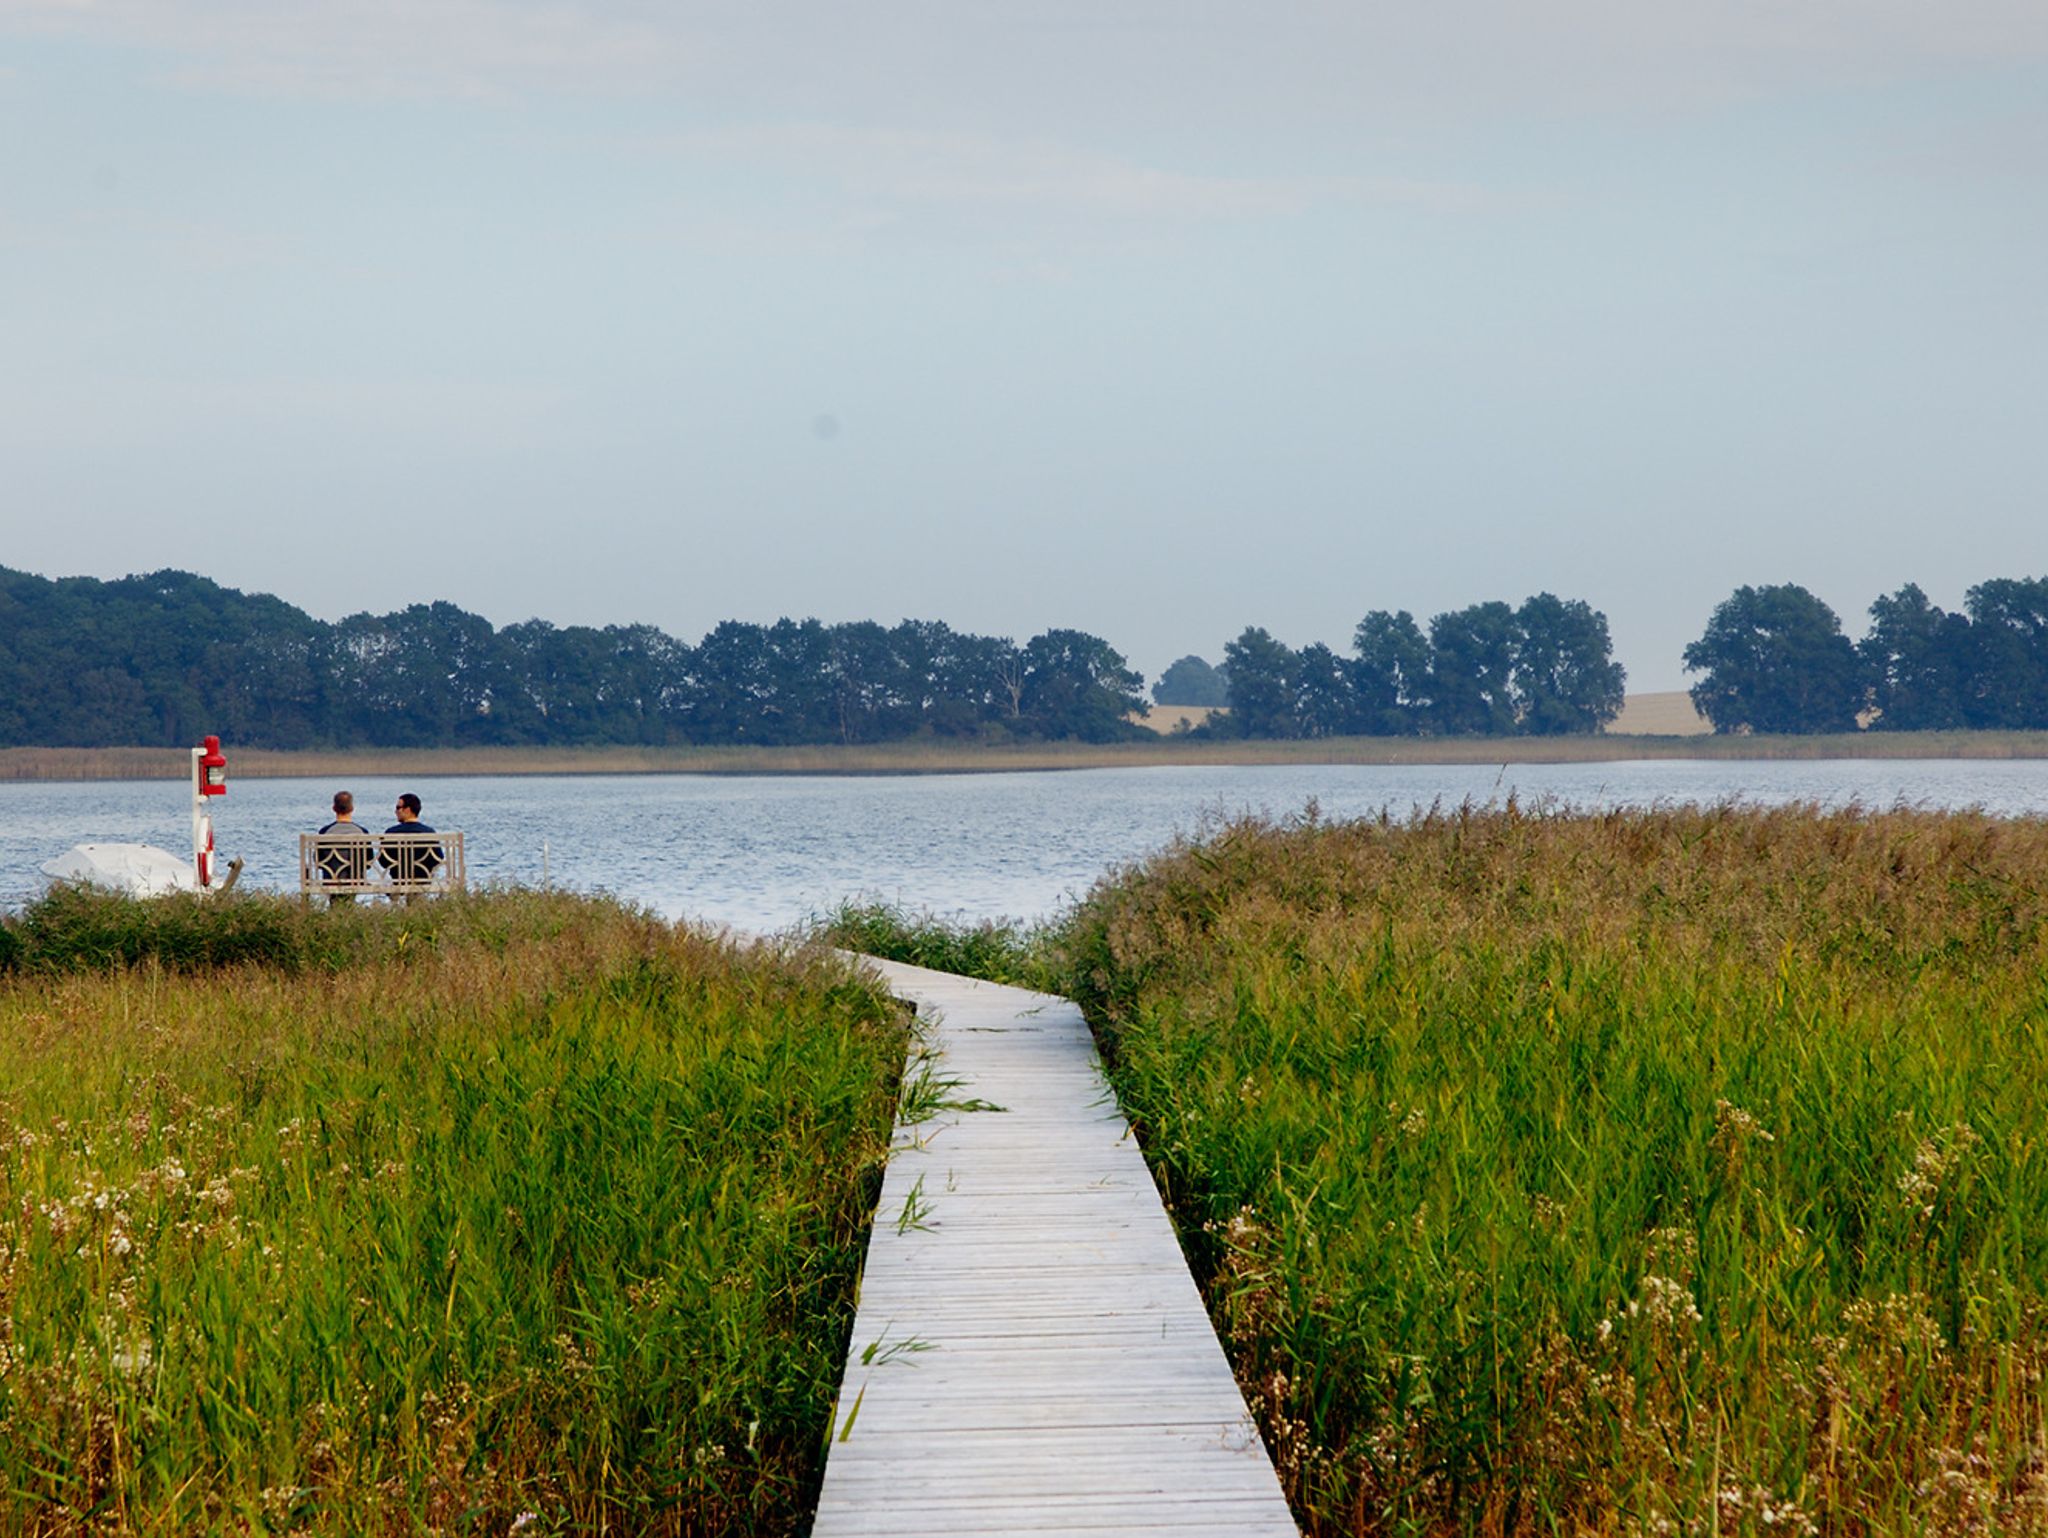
x=1933, y=1162
x=1735, y=1130
x=1665, y=1301
x=1673, y=1247
x=1772, y=1511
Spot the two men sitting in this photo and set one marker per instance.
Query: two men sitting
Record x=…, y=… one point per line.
x=409, y=859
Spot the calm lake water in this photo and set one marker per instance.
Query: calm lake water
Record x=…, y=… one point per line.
x=764, y=853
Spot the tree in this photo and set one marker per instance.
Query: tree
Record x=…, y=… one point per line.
x=1325, y=704
x=798, y=703
x=551, y=686
x=730, y=684
x=651, y=670
x=1472, y=670
x=1565, y=677
x=1078, y=685
x=1262, y=672
x=1191, y=681
x=956, y=684
x=155, y=659
x=869, y=684
x=1921, y=664
x=274, y=688
x=2010, y=620
x=1776, y=660
x=1009, y=672
x=1390, y=676
x=580, y=685
x=420, y=677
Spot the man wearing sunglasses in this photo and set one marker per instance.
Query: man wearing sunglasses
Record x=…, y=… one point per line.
x=411, y=861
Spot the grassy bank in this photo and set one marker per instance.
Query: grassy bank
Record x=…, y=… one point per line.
x=1677, y=1171
x=969, y=758
x=424, y=1220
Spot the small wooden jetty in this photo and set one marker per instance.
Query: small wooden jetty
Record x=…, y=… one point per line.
x=1030, y=1354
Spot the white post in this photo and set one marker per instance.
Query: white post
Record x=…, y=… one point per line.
x=202, y=827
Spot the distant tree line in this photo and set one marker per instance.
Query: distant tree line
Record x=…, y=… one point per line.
x=164, y=658
x=1774, y=659
x=1542, y=669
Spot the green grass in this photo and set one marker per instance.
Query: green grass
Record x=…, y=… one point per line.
x=426, y=1219
x=76, y=928
x=1002, y=950
x=1667, y=1171
x=1595, y=1173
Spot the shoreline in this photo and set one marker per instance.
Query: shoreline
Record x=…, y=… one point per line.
x=19, y=765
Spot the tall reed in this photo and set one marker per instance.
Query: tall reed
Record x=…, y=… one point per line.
x=531, y=1213
x=1667, y=1171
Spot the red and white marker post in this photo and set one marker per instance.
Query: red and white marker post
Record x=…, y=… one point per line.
x=209, y=778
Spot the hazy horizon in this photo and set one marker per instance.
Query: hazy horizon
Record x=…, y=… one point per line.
x=1154, y=321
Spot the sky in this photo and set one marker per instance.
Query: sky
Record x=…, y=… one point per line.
x=1152, y=319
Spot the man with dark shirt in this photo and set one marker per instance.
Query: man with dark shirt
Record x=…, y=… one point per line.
x=412, y=861
x=350, y=862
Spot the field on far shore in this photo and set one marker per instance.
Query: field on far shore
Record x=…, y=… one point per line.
x=1668, y=714
x=1165, y=719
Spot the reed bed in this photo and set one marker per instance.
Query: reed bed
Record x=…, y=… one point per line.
x=524, y=1213
x=1659, y=1171
x=929, y=756
x=1654, y=1172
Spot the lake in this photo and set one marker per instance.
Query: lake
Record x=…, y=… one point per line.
x=764, y=852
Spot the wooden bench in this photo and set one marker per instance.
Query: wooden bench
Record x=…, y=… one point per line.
x=394, y=865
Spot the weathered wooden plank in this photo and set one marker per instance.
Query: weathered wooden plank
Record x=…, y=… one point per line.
x=1030, y=1354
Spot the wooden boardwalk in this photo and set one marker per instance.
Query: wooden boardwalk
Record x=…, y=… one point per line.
x=1030, y=1354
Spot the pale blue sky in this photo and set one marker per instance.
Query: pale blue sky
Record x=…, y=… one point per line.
x=1152, y=319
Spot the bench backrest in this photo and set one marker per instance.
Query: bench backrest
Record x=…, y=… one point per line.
x=390, y=863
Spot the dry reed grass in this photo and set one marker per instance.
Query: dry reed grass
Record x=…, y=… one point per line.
x=947, y=758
